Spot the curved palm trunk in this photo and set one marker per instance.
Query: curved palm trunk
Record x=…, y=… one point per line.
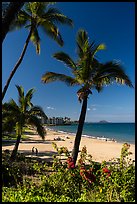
x=16, y=65
x=14, y=152
x=79, y=130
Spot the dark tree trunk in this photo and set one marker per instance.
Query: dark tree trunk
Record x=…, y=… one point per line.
x=9, y=16
x=14, y=152
x=79, y=130
x=16, y=65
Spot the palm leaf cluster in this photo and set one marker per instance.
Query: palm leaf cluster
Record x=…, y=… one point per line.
x=87, y=71
x=39, y=14
x=23, y=113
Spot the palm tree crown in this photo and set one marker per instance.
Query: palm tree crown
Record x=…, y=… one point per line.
x=37, y=14
x=87, y=71
x=24, y=112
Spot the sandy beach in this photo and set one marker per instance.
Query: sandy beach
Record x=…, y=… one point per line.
x=99, y=149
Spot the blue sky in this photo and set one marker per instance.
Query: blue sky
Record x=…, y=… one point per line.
x=112, y=23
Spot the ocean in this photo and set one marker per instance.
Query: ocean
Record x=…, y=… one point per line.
x=120, y=132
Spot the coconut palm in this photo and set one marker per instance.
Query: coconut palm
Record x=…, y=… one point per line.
x=89, y=73
x=21, y=114
x=32, y=16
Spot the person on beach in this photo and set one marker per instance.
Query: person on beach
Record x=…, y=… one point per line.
x=36, y=151
x=32, y=149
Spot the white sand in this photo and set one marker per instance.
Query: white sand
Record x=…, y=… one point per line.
x=99, y=149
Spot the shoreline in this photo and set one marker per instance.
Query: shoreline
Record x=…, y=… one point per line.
x=100, y=150
x=90, y=136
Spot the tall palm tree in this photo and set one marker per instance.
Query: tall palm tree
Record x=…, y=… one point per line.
x=21, y=114
x=89, y=73
x=33, y=16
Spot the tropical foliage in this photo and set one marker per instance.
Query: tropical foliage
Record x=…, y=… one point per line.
x=32, y=16
x=61, y=181
x=88, y=73
x=18, y=115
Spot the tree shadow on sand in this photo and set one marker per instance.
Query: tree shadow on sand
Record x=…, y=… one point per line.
x=46, y=155
x=30, y=133
x=37, y=141
x=8, y=143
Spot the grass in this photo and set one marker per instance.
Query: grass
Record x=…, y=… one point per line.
x=12, y=136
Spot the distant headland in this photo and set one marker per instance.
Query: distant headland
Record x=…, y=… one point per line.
x=103, y=121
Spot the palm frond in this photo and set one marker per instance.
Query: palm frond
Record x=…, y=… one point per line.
x=11, y=106
x=52, y=31
x=21, y=95
x=82, y=42
x=36, y=40
x=37, y=110
x=20, y=21
x=99, y=88
x=55, y=16
x=65, y=58
x=114, y=72
x=82, y=38
x=37, y=7
x=37, y=123
x=52, y=76
x=29, y=94
x=27, y=99
x=20, y=91
x=97, y=48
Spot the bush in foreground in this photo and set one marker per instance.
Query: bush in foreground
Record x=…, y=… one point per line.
x=88, y=181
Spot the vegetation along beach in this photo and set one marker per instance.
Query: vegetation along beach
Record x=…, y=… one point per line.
x=68, y=116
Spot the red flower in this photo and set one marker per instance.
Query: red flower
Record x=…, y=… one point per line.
x=69, y=159
x=71, y=165
x=106, y=170
x=70, y=162
x=87, y=174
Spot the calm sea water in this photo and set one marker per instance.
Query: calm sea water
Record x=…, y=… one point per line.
x=121, y=132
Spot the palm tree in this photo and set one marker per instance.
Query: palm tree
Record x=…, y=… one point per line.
x=21, y=114
x=89, y=73
x=9, y=12
x=33, y=16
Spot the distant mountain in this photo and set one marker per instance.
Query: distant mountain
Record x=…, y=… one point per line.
x=103, y=121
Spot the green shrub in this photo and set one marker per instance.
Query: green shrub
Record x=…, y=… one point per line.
x=64, y=182
x=13, y=172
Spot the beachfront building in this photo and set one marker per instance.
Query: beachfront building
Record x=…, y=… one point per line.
x=67, y=120
x=58, y=121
